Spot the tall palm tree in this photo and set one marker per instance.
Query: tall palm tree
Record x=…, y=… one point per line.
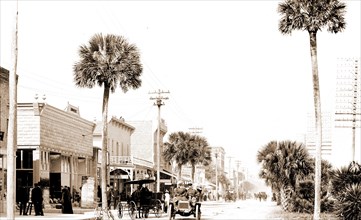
x=108, y=61
x=200, y=153
x=177, y=149
x=312, y=16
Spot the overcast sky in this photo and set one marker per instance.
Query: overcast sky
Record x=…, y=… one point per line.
x=227, y=67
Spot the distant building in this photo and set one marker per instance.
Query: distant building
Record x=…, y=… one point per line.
x=144, y=152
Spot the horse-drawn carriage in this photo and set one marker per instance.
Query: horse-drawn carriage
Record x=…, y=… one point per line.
x=230, y=196
x=142, y=201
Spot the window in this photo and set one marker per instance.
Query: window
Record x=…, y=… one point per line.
x=24, y=159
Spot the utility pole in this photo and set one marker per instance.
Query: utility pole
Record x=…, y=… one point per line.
x=348, y=95
x=238, y=162
x=229, y=167
x=159, y=102
x=12, y=142
x=354, y=107
x=216, y=176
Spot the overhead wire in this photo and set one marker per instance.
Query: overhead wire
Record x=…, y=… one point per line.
x=53, y=88
x=153, y=80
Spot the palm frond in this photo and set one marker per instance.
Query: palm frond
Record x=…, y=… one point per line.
x=108, y=61
x=311, y=15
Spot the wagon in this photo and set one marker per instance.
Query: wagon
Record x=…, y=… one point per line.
x=147, y=203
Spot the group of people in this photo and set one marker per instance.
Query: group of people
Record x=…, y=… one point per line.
x=35, y=199
x=183, y=193
x=111, y=194
x=141, y=196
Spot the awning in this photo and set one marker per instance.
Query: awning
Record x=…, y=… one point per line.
x=142, y=181
x=166, y=174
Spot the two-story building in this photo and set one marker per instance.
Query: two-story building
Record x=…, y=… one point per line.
x=121, y=166
x=54, y=148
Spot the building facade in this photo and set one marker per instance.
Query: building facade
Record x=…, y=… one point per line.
x=121, y=163
x=4, y=117
x=144, y=152
x=54, y=148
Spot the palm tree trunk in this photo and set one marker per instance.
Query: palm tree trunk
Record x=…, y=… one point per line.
x=179, y=171
x=277, y=193
x=318, y=123
x=278, y=198
x=193, y=171
x=286, y=198
x=104, y=167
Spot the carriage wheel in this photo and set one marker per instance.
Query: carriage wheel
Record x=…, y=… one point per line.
x=132, y=209
x=120, y=210
x=198, y=212
x=158, y=208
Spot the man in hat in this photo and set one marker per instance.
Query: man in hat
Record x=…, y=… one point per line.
x=37, y=199
x=180, y=192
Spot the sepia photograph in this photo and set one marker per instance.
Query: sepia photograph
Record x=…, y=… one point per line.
x=180, y=109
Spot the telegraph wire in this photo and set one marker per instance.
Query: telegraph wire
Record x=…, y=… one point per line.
x=150, y=79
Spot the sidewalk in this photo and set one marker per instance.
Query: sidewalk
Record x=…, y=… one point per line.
x=52, y=213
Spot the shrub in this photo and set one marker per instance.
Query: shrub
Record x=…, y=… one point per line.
x=346, y=188
x=304, y=198
x=349, y=207
x=344, y=177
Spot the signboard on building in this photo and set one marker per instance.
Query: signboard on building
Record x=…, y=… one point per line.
x=121, y=176
x=87, y=193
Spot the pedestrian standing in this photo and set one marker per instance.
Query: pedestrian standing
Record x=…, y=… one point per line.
x=166, y=200
x=109, y=196
x=66, y=201
x=24, y=199
x=99, y=195
x=37, y=199
x=116, y=197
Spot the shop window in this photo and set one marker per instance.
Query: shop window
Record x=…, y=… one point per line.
x=28, y=159
x=24, y=159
